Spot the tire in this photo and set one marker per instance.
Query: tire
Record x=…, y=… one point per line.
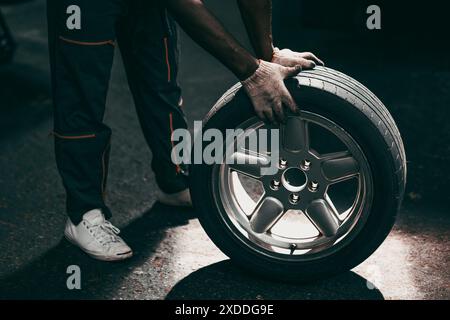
x=346, y=104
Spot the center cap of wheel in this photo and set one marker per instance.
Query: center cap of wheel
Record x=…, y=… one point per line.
x=294, y=179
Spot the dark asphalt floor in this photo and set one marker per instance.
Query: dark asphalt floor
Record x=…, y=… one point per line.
x=173, y=256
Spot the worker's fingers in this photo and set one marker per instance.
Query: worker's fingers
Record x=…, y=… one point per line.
x=307, y=64
x=268, y=114
x=313, y=57
x=291, y=71
x=261, y=115
x=278, y=111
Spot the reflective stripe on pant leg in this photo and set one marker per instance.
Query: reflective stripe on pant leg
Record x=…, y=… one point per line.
x=151, y=66
x=84, y=43
x=82, y=161
x=169, y=71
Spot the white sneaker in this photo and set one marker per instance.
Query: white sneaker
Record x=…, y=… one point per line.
x=97, y=237
x=179, y=199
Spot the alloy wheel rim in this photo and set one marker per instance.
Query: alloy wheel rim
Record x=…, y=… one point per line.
x=300, y=188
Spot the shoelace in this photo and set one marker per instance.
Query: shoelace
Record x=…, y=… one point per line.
x=106, y=233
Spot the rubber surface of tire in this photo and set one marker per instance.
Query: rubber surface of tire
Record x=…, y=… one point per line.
x=352, y=106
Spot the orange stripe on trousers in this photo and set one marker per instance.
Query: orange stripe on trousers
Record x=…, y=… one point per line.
x=169, y=71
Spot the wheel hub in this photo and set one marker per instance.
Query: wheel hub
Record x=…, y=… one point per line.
x=294, y=179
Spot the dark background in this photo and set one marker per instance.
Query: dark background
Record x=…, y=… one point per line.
x=406, y=64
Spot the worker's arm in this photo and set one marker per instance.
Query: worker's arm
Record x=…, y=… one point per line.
x=263, y=81
x=208, y=32
x=257, y=16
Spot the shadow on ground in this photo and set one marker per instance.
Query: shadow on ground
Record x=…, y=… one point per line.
x=45, y=278
x=223, y=280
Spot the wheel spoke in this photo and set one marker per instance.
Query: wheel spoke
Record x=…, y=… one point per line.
x=266, y=214
x=248, y=164
x=334, y=155
x=295, y=134
x=331, y=205
x=323, y=217
x=337, y=169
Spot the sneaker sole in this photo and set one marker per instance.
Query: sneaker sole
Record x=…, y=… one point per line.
x=121, y=257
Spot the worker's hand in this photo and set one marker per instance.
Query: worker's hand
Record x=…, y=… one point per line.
x=268, y=93
x=289, y=58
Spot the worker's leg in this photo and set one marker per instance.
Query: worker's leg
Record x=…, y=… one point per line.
x=148, y=43
x=81, y=55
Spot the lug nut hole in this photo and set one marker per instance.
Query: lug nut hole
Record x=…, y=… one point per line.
x=305, y=165
x=283, y=163
x=313, y=186
x=275, y=184
x=294, y=198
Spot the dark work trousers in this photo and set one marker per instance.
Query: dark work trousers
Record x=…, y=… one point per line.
x=81, y=61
